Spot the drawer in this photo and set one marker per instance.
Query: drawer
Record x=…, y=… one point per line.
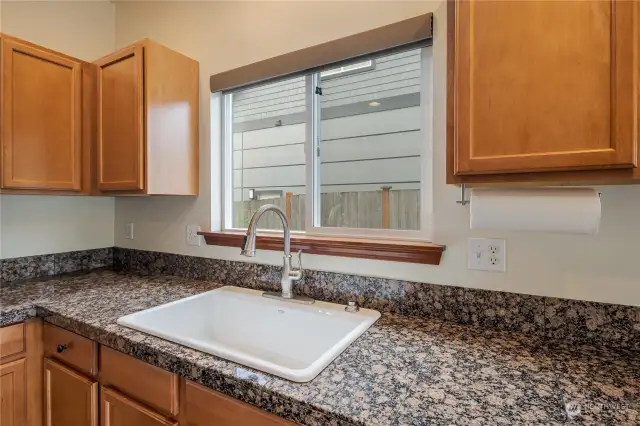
x=12, y=340
x=71, y=349
x=203, y=407
x=118, y=410
x=146, y=383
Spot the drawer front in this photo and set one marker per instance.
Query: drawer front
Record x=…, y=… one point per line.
x=12, y=340
x=71, y=348
x=118, y=410
x=146, y=383
x=204, y=407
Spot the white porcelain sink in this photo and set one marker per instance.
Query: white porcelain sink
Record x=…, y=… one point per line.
x=290, y=340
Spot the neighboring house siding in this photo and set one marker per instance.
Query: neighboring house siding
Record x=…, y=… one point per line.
x=393, y=75
x=357, y=153
x=360, y=150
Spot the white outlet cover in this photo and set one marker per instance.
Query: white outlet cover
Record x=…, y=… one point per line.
x=128, y=231
x=487, y=254
x=193, y=239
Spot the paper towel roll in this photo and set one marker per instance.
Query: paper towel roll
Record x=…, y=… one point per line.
x=566, y=210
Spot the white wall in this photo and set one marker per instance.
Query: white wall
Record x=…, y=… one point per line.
x=1, y=196
x=32, y=225
x=225, y=35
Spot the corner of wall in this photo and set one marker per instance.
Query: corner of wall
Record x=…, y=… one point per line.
x=37, y=224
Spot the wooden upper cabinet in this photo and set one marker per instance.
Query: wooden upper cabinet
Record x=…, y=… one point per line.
x=542, y=86
x=121, y=159
x=13, y=397
x=70, y=399
x=41, y=118
x=147, y=122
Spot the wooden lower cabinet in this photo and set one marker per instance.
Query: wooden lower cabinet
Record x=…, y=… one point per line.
x=13, y=395
x=118, y=410
x=12, y=340
x=36, y=389
x=205, y=407
x=70, y=399
x=153, y=386
x=21, y=374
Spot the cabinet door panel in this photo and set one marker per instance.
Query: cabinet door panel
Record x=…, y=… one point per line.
x=13, y=410
x=42, y=119
x=121, y=145
x=204, y=407
x=70, y=399
x=118, y=410
x=543, y=86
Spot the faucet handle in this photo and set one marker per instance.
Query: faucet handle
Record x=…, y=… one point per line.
x=296, y=274
x=300, y=260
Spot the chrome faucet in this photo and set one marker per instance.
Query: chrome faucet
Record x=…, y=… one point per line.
x=289, y=273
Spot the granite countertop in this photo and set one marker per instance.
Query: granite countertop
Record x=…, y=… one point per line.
x=402, y=371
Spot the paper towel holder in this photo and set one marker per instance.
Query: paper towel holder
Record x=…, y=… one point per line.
x=463, y=196
x=463, y=199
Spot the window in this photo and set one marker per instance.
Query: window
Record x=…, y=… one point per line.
x=348, y=69
x=346, y=155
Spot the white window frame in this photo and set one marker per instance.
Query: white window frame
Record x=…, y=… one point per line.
x=344, y=71
x=312, y=166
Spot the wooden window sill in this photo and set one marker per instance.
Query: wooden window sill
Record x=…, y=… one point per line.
x=396, y=251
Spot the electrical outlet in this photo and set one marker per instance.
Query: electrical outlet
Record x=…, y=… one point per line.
x=193, y=239
x=486, y=254
x=128, y=231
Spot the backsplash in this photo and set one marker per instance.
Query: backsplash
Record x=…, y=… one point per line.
x=21, y=268
x=569, y=320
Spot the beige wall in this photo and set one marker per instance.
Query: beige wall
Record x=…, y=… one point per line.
x=38, y=224
x=224, y=35
x=84, y=29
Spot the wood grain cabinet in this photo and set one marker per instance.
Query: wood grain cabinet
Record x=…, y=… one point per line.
x=21, y=374
x=204, y=407
x=37, y=390
x=540, y=87
x=70, y=399
x=13, y=394
x=118, y=410
x=147, y=122
x=43, y=134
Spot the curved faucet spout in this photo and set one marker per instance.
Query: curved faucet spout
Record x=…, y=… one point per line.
x=249, y=245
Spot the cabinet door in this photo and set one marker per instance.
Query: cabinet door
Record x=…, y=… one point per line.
x=13, y=409
x=118, y=410
x=70, y=399
x=121, y=143
x=204, y=407
x=41, y=119
x=543, y=85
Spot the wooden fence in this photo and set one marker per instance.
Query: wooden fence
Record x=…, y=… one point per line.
x=384, y=209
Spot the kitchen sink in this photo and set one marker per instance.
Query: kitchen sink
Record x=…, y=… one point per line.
x=289, y=340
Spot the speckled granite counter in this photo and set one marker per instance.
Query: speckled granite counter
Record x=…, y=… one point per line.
x=403, y=371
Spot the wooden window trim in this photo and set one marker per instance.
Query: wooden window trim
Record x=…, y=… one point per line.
x=392, y=250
